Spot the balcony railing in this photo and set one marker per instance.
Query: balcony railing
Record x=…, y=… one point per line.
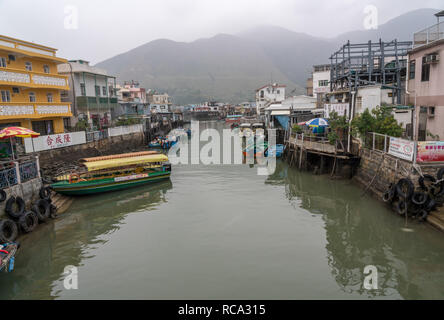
x=27, y=46
x=431, y=34
x=34, y=110
x=15, y=77
x=96, y=102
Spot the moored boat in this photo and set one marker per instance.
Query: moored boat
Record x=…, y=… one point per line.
x=233, y=118
x=275, y=151
x=256, y=149
x=7, y=256
x=116, y=172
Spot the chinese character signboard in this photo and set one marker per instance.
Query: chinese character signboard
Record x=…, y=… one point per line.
x=430, y=151
x=401, y=148
x=55, y=141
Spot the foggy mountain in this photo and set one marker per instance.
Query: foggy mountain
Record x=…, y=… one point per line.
x=230, y=67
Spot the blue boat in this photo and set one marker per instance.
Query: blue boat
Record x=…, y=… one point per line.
x=275, y=150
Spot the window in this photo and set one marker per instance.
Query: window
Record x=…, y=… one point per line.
x=412, y=69
x=15, y=90
x=262, y=94
x=11, y=57
x=111, y=92
x=6, y=96
x=82, y=89
x=66, y=123
x=2, y=62
x=97, y=91
x=431, y=112
x=278, y=91
x=28, y=66
x=31, y=97
x=359, y=102
x=49, y=97
x=45, y=68
x=104, y=91
x=425, y=72
x=45, y=127
x=323, y=83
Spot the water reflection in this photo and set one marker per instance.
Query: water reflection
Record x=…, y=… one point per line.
x=70, y=239
x=361, y=231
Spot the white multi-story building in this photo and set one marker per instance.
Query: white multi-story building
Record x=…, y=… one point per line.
x=267, y=95
x=159, y=103
x=321, y=82
x=92, y=93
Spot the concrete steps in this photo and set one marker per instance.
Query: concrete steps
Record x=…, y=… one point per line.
x=436, y=218
x=61, y=202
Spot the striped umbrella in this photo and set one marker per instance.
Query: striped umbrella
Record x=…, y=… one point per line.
x=316, y=123
x=20, y=132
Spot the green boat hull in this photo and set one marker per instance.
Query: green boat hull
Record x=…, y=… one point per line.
x=105, y=185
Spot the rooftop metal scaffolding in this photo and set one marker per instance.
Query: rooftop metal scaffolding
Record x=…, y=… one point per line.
x=373, y=63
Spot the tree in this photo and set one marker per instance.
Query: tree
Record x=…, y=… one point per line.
x=379, y=120
x=338, y=125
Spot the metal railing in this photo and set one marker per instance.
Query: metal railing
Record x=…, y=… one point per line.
x=27, y=168
x=8, y=177
x=376, y=141
x=96, y=135
x=431, y=34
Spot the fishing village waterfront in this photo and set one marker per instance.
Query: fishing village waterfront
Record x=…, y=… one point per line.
x=226, y=174
x=213, y=232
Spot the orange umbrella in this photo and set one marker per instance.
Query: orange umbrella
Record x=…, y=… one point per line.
x=20, y=132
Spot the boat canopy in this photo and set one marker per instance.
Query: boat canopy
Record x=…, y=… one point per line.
x=122, y=162
x=118, y=156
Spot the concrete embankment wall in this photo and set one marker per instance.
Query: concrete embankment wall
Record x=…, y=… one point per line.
x=388, y=169
x=379, y=170
x=56, y=160
x=29, y=191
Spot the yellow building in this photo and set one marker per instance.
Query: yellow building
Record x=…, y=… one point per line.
x=31, y=88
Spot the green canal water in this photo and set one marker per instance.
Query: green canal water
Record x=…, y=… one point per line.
x=223, y=232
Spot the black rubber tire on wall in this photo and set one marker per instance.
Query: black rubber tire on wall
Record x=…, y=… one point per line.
x=3, y=195
x=410, y=188
x=431, y=205
x=17, y=212
x=439, y=176
x=28, y=221
x=42, y=210
x=426, y=177
x=401, y=207
x=8, y=231
x=423, y=215
x=45, y=193
x=420, y=198
x=52, y=211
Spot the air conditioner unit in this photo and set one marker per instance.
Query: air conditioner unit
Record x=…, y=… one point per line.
x=432, y=58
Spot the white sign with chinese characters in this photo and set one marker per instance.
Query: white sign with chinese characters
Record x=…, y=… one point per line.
x=55, y=141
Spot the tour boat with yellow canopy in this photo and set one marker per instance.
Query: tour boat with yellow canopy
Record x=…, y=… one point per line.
x=115, y=172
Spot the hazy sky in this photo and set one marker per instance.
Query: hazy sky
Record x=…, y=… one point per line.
x=109, y=27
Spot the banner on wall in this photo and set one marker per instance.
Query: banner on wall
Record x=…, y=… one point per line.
x=430, y=151
x=55, y=141
x=340, y=108
x=403, y=149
